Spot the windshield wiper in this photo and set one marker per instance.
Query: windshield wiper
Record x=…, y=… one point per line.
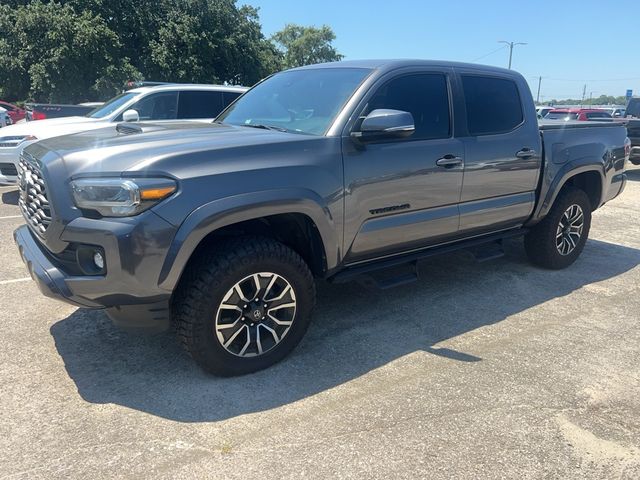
x=266, y=127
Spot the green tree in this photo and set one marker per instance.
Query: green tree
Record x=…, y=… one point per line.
x=211, y=41
x=49, y=52
x=306, y=45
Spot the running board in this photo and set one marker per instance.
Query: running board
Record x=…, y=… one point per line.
x=379, y=272
x=391, y=277
x=490, y=251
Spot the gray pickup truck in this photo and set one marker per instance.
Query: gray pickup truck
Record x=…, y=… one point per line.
x=336, y=171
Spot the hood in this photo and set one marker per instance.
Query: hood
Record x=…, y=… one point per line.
x=155, y=147
x=53, y=127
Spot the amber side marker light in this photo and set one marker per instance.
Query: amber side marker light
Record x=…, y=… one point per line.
x=156, y=193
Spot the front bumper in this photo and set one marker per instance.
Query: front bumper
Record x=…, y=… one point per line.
x=51, y=281
x=130, y=300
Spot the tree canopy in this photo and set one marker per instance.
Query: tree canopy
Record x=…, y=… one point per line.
x=83, y=50
x=306, y=45
x=601, y=100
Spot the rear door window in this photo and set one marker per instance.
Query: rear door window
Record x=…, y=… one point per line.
x=493, y=105
x=200, y=104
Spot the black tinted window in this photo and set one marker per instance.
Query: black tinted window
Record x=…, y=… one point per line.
x=425, y=96
x=158, y=106
x=493, y=105
x=598, y=115
x=229, y=97
x=200, y=104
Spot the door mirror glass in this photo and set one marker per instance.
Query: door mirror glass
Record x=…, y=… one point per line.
x=385, y=123
x=130, y=116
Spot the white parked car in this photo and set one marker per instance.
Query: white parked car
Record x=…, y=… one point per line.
x=616, y=112
x=543, y=110
x=159, y=104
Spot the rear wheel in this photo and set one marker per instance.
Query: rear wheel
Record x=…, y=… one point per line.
x=558, y=240
x=245, y=306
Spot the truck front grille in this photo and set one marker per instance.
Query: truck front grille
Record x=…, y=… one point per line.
x=33, y=200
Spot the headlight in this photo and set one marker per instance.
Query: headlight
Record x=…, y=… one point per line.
x=120, y=197
x=15, y=140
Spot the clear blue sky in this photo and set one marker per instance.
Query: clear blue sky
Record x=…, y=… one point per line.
x=570, y=42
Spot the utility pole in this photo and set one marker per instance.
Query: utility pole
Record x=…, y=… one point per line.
x=539, y=83
x=584, y=92
x=511, y=45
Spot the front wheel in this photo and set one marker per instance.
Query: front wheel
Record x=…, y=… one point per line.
x=557, y=241
x=245, y=306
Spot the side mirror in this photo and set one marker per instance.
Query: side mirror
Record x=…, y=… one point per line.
x=130, y=116
x=383, y=124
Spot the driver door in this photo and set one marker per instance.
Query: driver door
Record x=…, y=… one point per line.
x=403, y=193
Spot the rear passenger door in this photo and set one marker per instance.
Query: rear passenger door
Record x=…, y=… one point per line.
x=502, y=152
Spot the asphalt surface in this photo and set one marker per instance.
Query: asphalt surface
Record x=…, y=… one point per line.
x=480, y=370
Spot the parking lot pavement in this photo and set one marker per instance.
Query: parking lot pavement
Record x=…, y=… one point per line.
x=491, y=370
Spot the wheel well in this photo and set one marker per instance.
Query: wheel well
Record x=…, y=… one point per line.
x=590, y=183
x=295, y=230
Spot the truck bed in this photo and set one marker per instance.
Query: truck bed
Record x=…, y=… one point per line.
x=565, y=125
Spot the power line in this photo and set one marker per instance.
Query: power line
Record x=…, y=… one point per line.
x=490, y=53
x=582, y=80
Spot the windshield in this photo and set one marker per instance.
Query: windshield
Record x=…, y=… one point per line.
x=302, y=101
x=561, y=116
x=111, y=106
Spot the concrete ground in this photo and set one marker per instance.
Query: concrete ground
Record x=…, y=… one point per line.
x=491, y=370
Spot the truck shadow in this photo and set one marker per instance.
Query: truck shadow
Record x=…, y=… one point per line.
x=354, y=331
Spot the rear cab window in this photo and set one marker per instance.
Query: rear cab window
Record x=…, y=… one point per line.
x=493, y=104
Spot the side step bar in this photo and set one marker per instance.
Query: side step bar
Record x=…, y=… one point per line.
x=401, y=269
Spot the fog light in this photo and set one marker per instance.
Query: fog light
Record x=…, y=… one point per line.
x=98, y=260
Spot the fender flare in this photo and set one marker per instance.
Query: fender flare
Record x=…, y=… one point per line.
x=238, y=208
x=567, y=172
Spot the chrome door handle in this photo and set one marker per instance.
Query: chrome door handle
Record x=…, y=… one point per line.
x=526, y=153
x=449, y=161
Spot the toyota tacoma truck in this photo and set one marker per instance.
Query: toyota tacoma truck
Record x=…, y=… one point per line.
x=335, y=171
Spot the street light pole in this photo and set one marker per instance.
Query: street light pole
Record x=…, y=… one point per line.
x=539, y=83
x=511, y=45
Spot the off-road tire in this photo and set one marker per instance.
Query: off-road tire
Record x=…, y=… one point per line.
x=540, y=242
x=208, y=279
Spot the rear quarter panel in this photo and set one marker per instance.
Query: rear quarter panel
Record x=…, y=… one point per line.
x=571, y=149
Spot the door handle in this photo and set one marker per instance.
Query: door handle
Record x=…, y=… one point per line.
x=526, y=153
x=449, y=161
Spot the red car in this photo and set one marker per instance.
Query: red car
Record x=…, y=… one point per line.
x=577, y=114
x=15, y=113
